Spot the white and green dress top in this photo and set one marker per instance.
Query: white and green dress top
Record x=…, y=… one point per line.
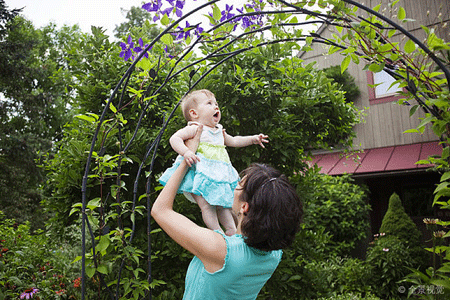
x=213, y=177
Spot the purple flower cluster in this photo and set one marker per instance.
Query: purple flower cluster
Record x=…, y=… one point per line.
x=248, y=21
x=128, y=48
x=184, y=33
x=156, y=6
x=28, y=294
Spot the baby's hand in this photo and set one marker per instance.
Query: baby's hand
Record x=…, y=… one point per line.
x=190, y=157
x=260, y=139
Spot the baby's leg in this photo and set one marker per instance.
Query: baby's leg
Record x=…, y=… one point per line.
x=209, y=213
x=226, y=219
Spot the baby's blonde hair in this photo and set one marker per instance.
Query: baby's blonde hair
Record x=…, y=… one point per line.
x=190, y=101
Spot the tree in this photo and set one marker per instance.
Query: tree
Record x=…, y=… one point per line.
x=136, y=19
x=346, y=82
x=396, y=222
x=32, y=85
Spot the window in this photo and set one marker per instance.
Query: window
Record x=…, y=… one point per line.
x=382, y=92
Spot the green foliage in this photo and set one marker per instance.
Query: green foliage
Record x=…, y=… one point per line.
x=35, y=260
x=351, y=296
x=397, y=223
x=292, y=280
x=436, y=278
x=388, y=260
x=346, y=82
x=32, y=110
x=264, y=89
x=340, y=207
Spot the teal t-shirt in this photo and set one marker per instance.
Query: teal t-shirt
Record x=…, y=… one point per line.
x=244, y=273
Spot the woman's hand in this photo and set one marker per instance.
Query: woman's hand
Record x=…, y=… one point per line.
x=193, y=143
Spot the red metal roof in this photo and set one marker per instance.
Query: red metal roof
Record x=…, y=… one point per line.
x=375, y=160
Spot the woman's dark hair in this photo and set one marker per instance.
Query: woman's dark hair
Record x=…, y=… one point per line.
x=275, y=210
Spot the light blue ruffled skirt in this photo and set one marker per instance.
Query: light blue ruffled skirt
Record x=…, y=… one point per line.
x=213, y=177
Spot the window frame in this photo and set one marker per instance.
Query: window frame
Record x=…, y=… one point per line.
x=373, y=100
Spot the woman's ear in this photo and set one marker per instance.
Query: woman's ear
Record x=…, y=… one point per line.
x=244, y=208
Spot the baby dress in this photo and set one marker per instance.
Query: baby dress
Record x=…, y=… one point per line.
x=213, y=177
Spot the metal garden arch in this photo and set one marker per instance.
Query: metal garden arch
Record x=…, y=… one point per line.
x=332, y=18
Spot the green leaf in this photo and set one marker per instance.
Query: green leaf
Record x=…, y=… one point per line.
x=394, y=2
x=376, y=67
x=73, y=210
x=411, y=131
x=445, y=176
x=167, y=39
x=165, y=20
x=401, y=13
x=86, y=118
x=377, y=8
x=345, y=63
x=112, y=108
x=216, y=12
x=413, y=110
x=410, y=46
x=102, y=269
x=94, y=203
x=90, y=271
x=105, y=241
x=425, y=121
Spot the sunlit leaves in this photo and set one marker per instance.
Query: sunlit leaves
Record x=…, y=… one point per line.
x=401, y=13
x=345, y=63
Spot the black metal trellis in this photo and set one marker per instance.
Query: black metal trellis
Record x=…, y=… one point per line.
x=224, y=56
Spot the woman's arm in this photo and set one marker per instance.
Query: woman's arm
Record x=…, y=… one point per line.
x=243, y=141
x=177, y=143
x=209, y=246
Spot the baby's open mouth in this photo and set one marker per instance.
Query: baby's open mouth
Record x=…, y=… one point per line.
x=216, y=115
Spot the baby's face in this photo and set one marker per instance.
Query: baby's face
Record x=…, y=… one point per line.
x=208, y=110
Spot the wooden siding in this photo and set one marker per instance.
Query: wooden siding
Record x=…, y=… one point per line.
x=385, y=123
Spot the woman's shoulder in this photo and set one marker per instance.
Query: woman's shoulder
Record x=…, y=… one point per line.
x=237, y=242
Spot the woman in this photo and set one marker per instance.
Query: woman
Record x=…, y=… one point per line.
x=268, y=213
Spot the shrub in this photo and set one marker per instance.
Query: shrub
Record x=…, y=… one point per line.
x=396, y=222
x=339, y=275
x=339, y=206
x=388, y=261
x=345, y=81
x=32, y=261
x=351, y=296
x=292, y=279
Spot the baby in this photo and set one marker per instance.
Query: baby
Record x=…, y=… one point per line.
x=211, y=175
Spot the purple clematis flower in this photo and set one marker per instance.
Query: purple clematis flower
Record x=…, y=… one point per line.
x=126, y=52
x=141, y=47
x=226, y=14
x=152, y=6
x=28, y=294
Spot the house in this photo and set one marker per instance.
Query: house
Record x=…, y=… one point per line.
x=386, y=159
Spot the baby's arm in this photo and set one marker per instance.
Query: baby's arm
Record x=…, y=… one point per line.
x=243, y=141
x=177, y=143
